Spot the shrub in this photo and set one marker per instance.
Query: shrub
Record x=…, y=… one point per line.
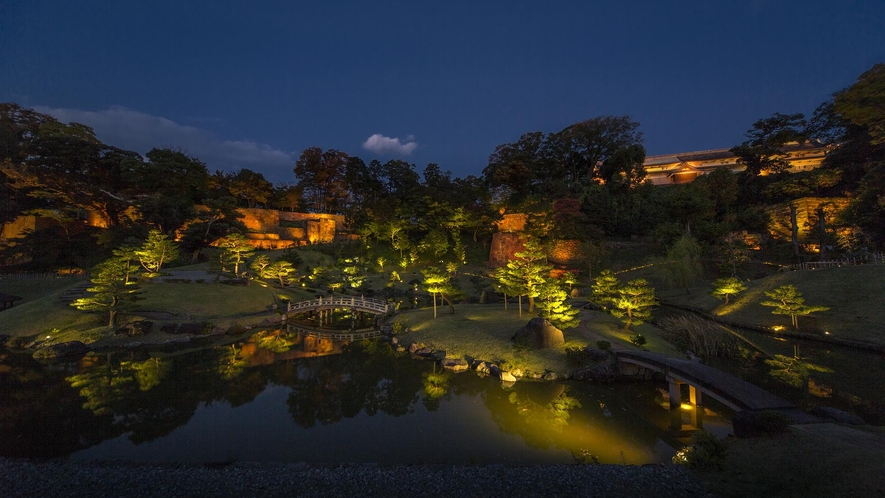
x=603, y=345
x=638, y=339
x=400, y=325
x=705, y=452
x=577, y=356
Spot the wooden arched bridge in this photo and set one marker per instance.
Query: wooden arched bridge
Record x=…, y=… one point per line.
x=729, y=390
x=368, y=305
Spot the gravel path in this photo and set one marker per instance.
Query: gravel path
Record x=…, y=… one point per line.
x=22, y=478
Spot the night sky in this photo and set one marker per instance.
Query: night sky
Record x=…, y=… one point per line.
x=251, y=84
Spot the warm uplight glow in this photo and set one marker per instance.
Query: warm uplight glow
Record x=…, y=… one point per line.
x=777, y=328
x=686, y=406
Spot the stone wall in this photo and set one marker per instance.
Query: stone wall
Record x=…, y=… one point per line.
x=266, y=230
x=779, y=225
x=565, y=252
x=260, y=220
x=504, y=246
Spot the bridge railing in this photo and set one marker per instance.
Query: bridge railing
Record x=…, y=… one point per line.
x=376, y=305
x=354, y=335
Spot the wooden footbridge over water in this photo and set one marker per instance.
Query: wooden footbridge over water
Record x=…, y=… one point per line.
x=731, y=391
x=323, y=307
x=368, y=305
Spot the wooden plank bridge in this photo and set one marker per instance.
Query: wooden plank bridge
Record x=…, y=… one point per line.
x=731, y=391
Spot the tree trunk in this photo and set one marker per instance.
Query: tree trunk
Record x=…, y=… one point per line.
x=434, y=304
x=795, y=230
x=520, y=305
x=531, y=304
x=823, y=233
x=505, y=301
x=113, y=318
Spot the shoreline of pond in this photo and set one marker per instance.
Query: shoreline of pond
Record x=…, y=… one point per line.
x=61, y=478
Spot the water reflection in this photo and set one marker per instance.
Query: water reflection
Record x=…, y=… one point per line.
x=284, y=396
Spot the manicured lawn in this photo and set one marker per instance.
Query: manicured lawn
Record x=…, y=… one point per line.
x=809, y=460
x=35, y=288
x=483, y=331
x=41, y=315
x=854, y=294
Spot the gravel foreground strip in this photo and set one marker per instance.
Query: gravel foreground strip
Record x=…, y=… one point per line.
x=23, y=478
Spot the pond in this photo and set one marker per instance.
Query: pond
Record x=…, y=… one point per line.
x=279, y=396
x=848, y=379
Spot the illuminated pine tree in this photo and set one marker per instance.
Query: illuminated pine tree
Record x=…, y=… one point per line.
x=525, y=273
x=438, y=281
x=156, y=251
x=553, y=305
x=634, y=303
x=605, y=289
x=110, y=291
x=787, y=300
x=725, y=287
x=235, y=251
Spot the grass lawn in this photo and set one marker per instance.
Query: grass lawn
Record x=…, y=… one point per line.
x=41, y=315
x=220, y=304
x=596, y=325
x=30, y=289
x=854, y=294
x=483, y=331
x=809, y=460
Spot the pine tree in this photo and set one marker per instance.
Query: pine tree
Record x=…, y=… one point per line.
x=437, y=281
x=156, y=251
x=280, y=270
x=605, y=289
x=110, y=291
x=634, y=303
x=789, y=301
x=553, y=305
x=725, y=287
x=235, y=251
x=526, y=273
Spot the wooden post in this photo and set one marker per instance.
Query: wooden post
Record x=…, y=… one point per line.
x=675, y=394
x=694, y=395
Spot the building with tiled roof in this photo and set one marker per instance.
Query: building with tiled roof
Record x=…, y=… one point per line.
x=683, y=167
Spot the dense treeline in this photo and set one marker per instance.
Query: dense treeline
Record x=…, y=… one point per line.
x=584, y=182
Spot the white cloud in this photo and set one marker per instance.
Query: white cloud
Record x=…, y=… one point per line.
x=133, y=130
x=380, y=144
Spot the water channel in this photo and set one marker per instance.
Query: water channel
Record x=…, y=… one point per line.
x=278, y=396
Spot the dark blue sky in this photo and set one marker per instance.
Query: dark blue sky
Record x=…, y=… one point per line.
x=251, y=84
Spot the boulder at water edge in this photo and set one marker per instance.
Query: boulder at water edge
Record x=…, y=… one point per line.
x=62, y=350
x=539, y=333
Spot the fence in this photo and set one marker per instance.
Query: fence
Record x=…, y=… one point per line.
x=36, y=275
x=864, y=259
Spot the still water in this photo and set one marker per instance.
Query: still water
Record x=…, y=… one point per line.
x=285, y=397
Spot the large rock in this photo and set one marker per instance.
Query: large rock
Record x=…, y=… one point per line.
x=136, y=327
x=62, y=350
x=838, y=415
x=454, y=364
x=507, y=377
x=539, y=333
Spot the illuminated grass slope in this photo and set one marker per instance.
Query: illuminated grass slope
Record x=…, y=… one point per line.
x=855, y=295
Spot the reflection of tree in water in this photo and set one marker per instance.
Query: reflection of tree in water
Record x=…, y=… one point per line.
x=572, y=417
x=41, y=416
x=367, y=376
x=277, y=341
x=436, y=386
x=536, y=411
x=231, y=361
